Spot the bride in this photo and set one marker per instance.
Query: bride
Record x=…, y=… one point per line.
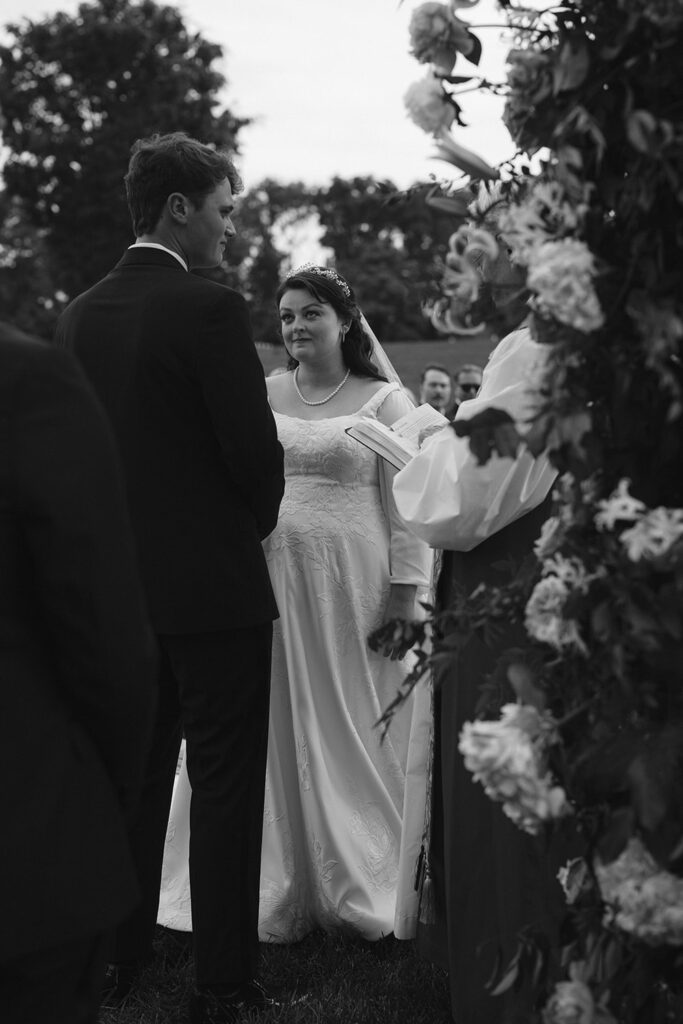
x=343, y=810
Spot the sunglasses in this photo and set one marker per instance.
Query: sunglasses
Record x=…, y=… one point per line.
x=469, y=388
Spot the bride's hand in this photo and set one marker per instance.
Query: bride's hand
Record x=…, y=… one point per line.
x=401, y=605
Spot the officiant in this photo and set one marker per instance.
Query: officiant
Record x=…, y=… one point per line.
x=489, y=878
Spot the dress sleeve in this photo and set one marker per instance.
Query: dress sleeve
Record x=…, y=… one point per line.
x=410, y=559
x=444, y=495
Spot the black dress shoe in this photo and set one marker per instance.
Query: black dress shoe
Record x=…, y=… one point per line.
x=224, y=1006
x=119, y=982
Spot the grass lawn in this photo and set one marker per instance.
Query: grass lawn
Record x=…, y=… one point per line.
x=323, y=980
x=408, y=357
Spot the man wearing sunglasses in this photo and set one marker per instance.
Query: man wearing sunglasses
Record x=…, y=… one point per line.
x=467, y=381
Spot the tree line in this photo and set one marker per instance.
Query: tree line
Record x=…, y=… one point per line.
x=77, y=90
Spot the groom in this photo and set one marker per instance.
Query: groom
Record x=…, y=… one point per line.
x=171, y=357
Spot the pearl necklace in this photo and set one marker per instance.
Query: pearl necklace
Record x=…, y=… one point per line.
x=322, y=400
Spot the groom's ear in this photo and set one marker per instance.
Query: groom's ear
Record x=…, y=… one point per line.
x=178, y=206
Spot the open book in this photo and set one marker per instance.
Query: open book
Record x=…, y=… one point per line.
x=402, y=440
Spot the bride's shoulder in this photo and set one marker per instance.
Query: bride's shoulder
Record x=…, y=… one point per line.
x=368, y=386
x=278, y=384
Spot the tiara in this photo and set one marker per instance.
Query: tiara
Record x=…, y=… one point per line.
x=313, y=268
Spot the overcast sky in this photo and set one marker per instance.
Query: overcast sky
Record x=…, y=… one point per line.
x=324, y=82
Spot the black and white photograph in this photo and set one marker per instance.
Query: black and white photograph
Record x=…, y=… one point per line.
x=341, y=512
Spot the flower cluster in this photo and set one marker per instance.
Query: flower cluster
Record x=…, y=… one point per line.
x=561, y=277
x=544, y=214
x=530, y=82
x=428, y=105
x=437, y=35
x=652, y=533
x=508, y=758
x=589, y=214
x=642, y=899
x=620, y=506
x=545, y=617
x=573, y=1002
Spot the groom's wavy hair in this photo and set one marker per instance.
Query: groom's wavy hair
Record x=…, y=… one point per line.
x=162, y=164
x=356, y=347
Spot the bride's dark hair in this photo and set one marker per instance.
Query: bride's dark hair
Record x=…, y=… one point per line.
x=356, y=347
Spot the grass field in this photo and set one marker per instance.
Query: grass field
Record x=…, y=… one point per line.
x=408, y=356
x=322, y=980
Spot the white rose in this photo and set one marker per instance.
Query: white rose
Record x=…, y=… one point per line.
x=642, y=898
x=437, y=35
x=561, y=275
x=543, y=617
x=428, y=106
x=571, y=1003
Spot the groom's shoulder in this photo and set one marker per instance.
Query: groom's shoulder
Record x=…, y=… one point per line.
x=214, y=290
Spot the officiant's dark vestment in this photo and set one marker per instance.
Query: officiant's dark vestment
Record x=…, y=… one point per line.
x=171, y=356
x=489, y=878
x=77, y=687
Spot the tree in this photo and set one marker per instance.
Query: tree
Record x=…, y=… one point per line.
x=267, y=218
x=388, y=245
x=77, y=91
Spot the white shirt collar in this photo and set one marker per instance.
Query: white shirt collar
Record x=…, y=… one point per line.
x=156, y=245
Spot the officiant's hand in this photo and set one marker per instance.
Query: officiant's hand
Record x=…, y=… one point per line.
x=401, y=605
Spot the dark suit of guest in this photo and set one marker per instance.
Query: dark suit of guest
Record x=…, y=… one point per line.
x=171, y=356
x=77, y=683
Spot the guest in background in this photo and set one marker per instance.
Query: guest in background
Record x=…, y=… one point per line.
x=77, y=687
x=436, y=387
x=466, y=384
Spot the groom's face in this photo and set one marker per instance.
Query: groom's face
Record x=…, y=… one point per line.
x=209, y=227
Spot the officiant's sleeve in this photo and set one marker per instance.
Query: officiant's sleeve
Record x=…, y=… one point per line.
x=234, y=388
x=449, y=500
x=410, y=559
x=71, y=513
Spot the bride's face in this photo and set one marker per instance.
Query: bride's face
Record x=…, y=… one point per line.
x=310, y=329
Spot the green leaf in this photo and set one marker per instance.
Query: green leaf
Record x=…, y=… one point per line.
x=641, y=126
x=474, y=56
x=448, y=204
x=571, y=67
x=523, y=681
x=450, y=151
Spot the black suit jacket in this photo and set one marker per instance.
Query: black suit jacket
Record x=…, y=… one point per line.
x=172, y=358
x=77, y=662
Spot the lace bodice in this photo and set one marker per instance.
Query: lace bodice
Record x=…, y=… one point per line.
x=338, y=489
x=322, y=449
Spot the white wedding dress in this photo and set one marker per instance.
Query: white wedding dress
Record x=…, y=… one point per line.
x=344, y=812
